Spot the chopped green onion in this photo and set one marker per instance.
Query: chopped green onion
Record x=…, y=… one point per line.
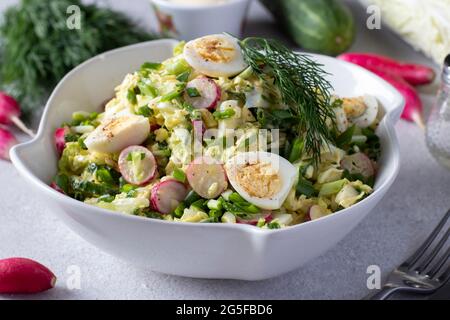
x=131, y=96
x=179, y=210
x=183, y=77
x=71, y=137
x=147, y=89
x=193, y=92
x=199, y=204
x=93, y=116
x=296, y=150
x=261, y=223
x=63, y=182
x=191, y=197
x=236, y=198
x=79, y=116
x=145, y=111
x=226, y=114
x=345, y=137
x=215, y=214
x=214, y=204
x=127, y=188
x=81, y=143
x=150, y=65
x=273, y=225
x=305, y=187
x=170, y=96
x=177, y=66
x=104, y=175
x=332, y=187
x=179, y=175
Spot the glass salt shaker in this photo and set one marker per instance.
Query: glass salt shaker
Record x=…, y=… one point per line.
x=438, y=126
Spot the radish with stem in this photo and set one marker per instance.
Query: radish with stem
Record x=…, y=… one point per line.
x=10, y=113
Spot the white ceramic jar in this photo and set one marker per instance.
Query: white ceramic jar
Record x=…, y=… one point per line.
x=190, y=19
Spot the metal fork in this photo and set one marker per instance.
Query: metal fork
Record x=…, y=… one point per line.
x=424, y=272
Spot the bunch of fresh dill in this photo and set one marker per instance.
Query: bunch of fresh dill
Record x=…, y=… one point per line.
x=37, y=48
x=302, y=85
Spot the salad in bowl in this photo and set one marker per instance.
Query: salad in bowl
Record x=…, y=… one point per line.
x=225, y=131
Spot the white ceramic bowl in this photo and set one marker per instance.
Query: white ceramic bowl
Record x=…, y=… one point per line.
x=233, y=251
x=187, y=21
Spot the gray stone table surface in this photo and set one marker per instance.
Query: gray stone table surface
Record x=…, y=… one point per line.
x=416, y=201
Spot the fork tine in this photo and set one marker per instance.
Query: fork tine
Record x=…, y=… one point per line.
x=433, y=253
x=437, y=267
x=416, y=255
x=445, y=276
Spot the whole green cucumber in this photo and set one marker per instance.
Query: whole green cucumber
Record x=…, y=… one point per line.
x=324, y=26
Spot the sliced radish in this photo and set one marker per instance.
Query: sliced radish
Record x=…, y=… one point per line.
x=358, y=163
x=167, y=195
x=202, y=93
x=207, y=177
x=254, y=219
x=316, y=212
x=60, y=141
x=7, y=141
x=137, y=165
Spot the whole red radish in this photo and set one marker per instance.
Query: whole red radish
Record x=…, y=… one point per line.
x=414, y=74
x=22, y=275
x=413, y=104
x=7, y=141
x=10, y=113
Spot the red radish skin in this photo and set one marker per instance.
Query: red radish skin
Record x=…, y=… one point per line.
x=209, y=91
x=202, y=173
x=358, y=163
x=7, y=141
x=149, y=163
x=413, y=104
x=414, y=74
x=154, y=127
x=10, y=113
x=54, y=186
x=167, y=195
x=21, y=275
x=59, y=139
x=267, y=216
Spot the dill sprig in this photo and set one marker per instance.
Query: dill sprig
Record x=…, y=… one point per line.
x=37, y=48
x=302, y=85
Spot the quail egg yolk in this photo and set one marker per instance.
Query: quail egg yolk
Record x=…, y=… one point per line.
x=259, y=180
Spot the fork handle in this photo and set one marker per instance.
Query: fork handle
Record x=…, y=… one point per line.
x=384, y=293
